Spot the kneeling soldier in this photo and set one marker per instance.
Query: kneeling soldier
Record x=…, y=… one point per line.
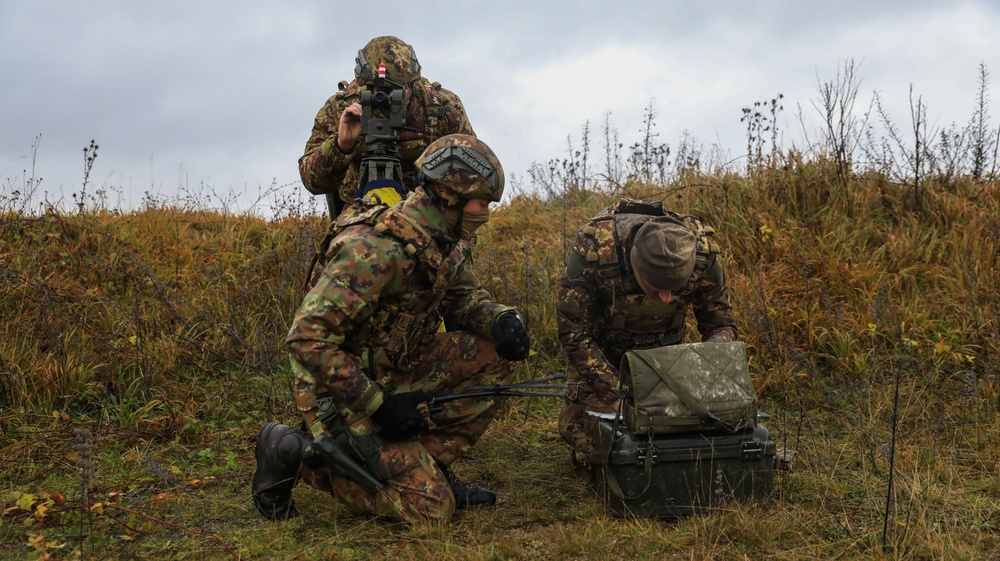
x=368, y=355
x=630, y=277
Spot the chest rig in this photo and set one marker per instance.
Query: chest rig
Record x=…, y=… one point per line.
x=403, y=321
x=631, y=319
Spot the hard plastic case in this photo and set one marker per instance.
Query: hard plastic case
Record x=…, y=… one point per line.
x=670, y=475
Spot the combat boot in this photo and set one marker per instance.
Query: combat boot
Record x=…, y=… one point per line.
x=279, y=453
x=468, y=496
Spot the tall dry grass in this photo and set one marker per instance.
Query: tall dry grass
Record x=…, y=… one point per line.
x=140, y=352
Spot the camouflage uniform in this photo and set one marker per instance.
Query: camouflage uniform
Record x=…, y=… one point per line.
x=431, y=112
x=602, y=311
x=370, y=325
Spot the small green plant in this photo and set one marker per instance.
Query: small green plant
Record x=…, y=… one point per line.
x=207, y=455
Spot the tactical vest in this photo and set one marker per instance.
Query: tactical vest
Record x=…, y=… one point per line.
x=636, y=320
x=396, y=331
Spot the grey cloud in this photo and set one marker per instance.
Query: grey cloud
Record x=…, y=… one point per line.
x=225, y=92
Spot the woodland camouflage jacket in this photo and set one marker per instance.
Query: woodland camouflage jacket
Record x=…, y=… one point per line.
x=602, y=312
x=431, y=112
x=380, y=296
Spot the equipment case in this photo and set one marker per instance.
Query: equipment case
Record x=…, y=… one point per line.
x=676, y=474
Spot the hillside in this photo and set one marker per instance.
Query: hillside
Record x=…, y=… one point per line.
x=140, y=352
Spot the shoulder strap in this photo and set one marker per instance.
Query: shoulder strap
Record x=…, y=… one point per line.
x=648, y=461
x=603, y=230
x=626, y=205
x=416, y=242
x=706, y=249
x=604, y=249
x=387, y=220
x=431, y=100
x=602, y=233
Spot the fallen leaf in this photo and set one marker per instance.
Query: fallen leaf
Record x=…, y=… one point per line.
x=25, y=502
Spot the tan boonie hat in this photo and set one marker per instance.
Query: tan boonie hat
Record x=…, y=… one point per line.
x=663, y=253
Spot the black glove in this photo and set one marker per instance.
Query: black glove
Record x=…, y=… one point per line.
x=511, y=337
x=398, y=416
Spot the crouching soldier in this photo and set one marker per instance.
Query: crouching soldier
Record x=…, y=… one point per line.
x=631, y=275
x=368, y=356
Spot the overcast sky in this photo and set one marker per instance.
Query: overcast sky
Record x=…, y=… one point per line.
x=223, y=93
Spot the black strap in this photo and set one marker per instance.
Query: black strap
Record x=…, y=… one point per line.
x=647, y=471
x=648, y=461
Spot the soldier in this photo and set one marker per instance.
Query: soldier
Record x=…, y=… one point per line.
x=630, y=276
x=330, y=165
x=367, y=354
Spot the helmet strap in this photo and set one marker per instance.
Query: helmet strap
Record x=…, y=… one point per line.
x=421, y=180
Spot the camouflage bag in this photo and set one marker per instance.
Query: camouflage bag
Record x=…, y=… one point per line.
x=689, y=387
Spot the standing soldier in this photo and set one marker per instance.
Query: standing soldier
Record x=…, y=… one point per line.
x=630, y=276
x=330, y=165
x=368, y=357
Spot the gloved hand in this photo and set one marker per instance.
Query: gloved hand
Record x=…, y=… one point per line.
x=511, y=337
x=398, y=416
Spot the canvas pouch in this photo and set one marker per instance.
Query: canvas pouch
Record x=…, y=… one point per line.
x=688, y=387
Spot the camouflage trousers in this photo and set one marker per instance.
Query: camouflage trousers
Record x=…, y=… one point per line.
x=576, y=426
x=415, y=486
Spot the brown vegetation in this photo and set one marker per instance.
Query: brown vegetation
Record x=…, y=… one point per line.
x=140, y=352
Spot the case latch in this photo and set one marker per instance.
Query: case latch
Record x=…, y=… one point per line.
x=752, y=451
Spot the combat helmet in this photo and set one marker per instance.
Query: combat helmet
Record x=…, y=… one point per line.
x=401, y=64
x=461, y=167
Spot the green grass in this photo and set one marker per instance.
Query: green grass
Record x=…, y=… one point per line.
x=155, y=336
x=189, y=498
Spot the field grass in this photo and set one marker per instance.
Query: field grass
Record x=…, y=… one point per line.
x=140, y=352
